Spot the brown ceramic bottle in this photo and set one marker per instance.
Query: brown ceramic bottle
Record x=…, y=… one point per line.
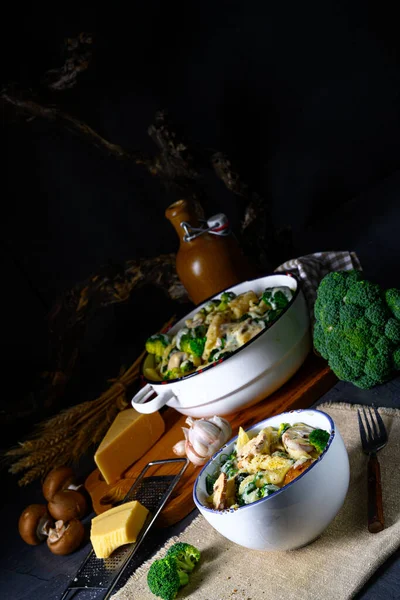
x=209, y=263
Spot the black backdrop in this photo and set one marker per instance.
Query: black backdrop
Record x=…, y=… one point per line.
x=304, y=97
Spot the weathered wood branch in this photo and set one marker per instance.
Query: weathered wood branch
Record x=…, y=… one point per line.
x=78, y=54
x=28, y=106
x=111, y=285
x=177, y=165
x=72, y=314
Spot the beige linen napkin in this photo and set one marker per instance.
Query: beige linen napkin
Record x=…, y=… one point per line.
x=334, y=567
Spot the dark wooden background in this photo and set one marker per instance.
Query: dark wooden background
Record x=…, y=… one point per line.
x=304, y=97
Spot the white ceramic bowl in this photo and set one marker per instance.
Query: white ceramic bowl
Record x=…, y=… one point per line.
x=249, y=374
x=300, y=511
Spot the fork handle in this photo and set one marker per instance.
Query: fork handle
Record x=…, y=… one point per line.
x=376, y=521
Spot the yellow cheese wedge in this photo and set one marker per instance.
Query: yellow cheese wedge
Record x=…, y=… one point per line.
x=116, y=527
x=130, y=436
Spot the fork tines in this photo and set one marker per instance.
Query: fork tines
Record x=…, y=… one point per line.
x=373, y=434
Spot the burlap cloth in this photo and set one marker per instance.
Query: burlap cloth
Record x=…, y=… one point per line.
x=335, y=566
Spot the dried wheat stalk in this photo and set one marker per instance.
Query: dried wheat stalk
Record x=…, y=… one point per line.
x=64, y=438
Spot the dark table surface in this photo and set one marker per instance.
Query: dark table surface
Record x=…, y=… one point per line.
x=28, y=572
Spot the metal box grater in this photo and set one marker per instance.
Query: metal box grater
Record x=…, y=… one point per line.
x=153, y=492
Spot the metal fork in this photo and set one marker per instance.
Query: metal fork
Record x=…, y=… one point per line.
x=373, y=438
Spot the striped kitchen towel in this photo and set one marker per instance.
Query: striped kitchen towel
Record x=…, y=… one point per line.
x=313, y=267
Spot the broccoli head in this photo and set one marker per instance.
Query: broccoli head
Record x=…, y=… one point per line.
x=280, y=299
x=186, y=555
x=194, y=340
x=157, y=343
x=396, y=359
x=165, y=577
x=211, y=306
x=275, y=299
x=225, y=298
x=187, y=366
x=393, y=301
x=174, y=373
x=356, y=328
x=319, y=439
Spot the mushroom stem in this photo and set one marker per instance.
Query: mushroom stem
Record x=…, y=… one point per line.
x=58, y=531
x=66, y=537
x=44, y=526
x=74, y=487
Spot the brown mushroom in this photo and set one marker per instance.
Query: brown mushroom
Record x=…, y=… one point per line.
x=34, y=524
x=65, y=538
x=58, y=479
x=67, y=505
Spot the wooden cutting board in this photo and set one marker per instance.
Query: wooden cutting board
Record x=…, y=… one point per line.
x=312, y=380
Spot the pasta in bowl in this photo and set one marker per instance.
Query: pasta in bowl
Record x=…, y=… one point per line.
x=262, y=464
x=213, y=363
x=268, y=501
x=216, y=330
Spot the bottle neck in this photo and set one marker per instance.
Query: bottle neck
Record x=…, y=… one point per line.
x=179, y=212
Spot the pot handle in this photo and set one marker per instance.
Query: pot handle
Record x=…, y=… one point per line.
x=154, y=405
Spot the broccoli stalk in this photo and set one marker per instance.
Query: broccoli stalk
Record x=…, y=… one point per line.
x=319, y=439
x=186, y=555
x=165, y=577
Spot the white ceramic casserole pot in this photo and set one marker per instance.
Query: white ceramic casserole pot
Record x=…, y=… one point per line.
x=300, y=511
x=249, y=374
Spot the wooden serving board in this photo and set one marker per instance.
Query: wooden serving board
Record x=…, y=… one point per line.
x=312, y=380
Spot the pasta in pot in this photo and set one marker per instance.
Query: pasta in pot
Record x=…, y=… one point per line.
x=219, y=328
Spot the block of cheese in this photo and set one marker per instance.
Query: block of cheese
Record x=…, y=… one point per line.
x=116, y=527
x=130, y=436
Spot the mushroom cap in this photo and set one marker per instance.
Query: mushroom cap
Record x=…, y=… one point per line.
x=31, y=522
x=56, y=480
x=68, y=504
x=69, y=540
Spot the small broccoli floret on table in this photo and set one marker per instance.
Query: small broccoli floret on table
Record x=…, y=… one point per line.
x=157, y=343
x=165, y=577
x=356, y=328
x=186, y=555
x=319, y=439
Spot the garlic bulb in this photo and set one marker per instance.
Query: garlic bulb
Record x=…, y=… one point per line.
x=179, y=448
x=203, y=438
